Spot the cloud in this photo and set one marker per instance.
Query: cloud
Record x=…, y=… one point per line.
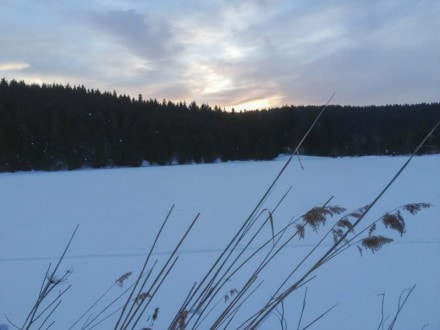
x=13, y=66
x=376, y=53
x=389, y=60
x=141, y=34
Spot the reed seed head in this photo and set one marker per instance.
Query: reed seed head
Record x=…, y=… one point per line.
x=394, y=221
x=317, y=216
x=120, y=281
x=416, y=207
x=300, y=230
x=141, y=297
x=375, y=243
x=345, y=223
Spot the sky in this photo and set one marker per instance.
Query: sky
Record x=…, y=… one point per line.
x=245, y=54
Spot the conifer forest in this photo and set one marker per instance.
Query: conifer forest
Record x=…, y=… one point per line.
x=56, y=127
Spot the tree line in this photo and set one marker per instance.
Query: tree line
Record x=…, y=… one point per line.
x=53, y=127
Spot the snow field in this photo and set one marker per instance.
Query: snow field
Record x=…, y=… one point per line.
x=120, y=210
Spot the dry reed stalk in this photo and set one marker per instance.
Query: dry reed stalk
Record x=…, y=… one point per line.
x=319, y=317
x=401, y=304
x=151, y=296
x=234, y=302
x=182, y=311
x=234, y=312
x=302, y=310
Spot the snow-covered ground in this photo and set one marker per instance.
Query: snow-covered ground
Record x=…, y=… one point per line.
x=120, y=210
